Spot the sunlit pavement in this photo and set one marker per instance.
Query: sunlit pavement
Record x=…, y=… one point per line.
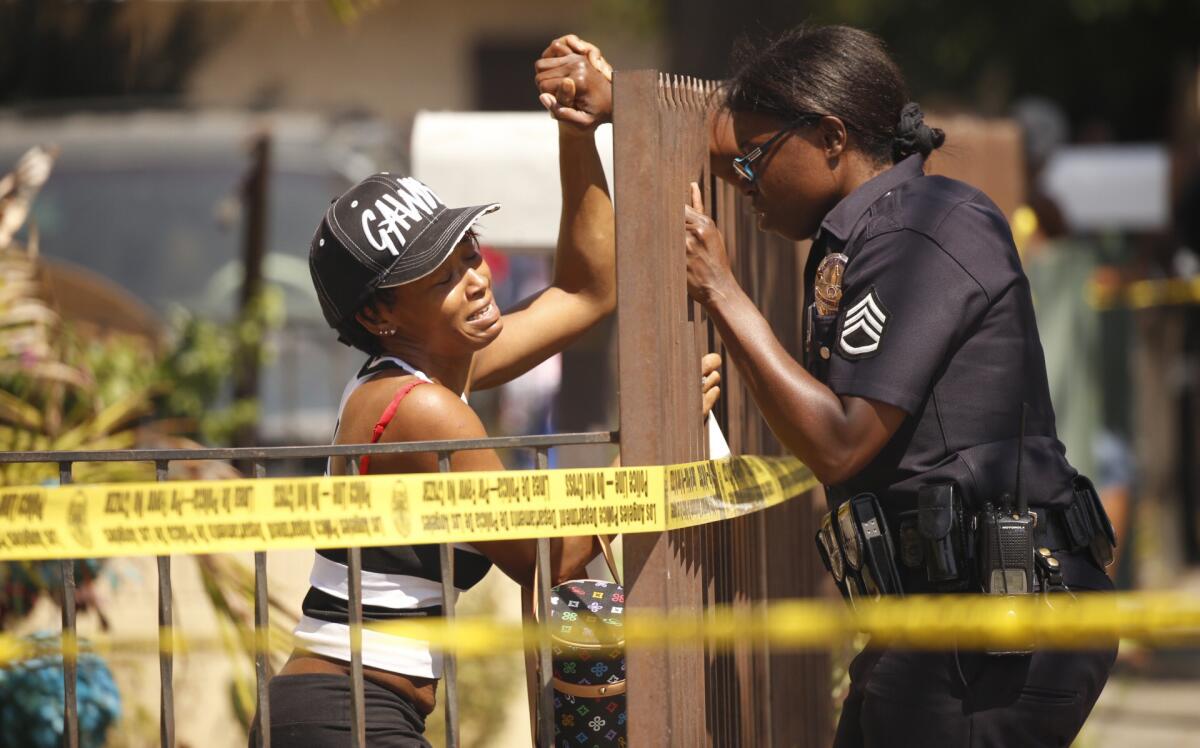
x=1136, y=710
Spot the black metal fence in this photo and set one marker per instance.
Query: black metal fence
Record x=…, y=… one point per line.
x=259, y=457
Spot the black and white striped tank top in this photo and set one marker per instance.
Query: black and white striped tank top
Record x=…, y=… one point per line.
x=397, y=582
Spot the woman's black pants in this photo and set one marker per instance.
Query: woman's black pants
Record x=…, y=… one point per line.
x=313, y=711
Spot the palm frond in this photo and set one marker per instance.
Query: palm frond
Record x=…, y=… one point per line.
x=229, y=586
x=107, y=420
x=19, y=188
x=47, y=371
x=16, y=411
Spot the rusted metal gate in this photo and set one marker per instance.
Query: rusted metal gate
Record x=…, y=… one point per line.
x=685, y=696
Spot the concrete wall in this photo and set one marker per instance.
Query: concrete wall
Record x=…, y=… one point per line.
x=396, y=58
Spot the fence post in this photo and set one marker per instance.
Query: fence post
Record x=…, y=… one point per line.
x=658, y=382
x=262, y=635
x=449, y=593
x=354, y=617
x=546, y=723
x=166, y=640
x=689, y=697
x=70, y=638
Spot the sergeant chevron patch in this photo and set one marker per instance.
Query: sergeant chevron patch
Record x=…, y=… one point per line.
x=862, y=327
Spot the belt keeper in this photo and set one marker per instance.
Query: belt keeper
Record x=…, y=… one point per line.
x=1050, y=571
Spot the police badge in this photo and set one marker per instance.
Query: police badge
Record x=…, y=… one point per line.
x=827, y=288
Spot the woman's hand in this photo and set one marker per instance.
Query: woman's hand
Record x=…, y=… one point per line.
x=710, y=381
x=571, y=77
x=575, y=83
x=708, y=272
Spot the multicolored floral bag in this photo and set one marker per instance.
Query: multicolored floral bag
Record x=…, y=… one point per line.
x=588, y=661
x=586, y=616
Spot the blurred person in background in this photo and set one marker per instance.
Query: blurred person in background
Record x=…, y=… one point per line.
x=922, y=355
x=1061, y=268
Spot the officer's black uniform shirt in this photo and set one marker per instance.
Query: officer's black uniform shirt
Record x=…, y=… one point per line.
x=936, y=318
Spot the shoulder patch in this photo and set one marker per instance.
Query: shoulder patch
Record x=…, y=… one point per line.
x=863, y=326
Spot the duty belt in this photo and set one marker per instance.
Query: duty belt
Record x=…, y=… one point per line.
x=937, y=547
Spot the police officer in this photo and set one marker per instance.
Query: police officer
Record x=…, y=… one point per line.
x=922, y=353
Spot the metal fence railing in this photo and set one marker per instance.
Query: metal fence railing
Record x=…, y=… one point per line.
x=259, y=458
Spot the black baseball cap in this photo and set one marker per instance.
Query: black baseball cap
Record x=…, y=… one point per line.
x=385, y=231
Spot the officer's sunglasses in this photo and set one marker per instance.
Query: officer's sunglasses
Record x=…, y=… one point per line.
x=744, y=165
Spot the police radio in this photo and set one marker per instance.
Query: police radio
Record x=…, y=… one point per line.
x=1006, y=547
x=1006, y=532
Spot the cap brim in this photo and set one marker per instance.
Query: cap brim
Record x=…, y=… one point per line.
x=443, y=236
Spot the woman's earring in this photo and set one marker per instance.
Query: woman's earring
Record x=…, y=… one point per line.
x=387, y=332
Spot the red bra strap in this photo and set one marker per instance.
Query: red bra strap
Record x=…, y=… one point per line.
x=389, y=413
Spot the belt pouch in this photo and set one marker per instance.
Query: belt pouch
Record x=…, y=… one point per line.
x=1101, y=538
x=879, y=554
x=939, y=524
x=831, y=555
x=859, y=580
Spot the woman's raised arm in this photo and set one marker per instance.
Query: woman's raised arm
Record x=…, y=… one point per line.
x=577, y=92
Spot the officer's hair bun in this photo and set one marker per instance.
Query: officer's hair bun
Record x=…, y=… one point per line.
x=913, y=135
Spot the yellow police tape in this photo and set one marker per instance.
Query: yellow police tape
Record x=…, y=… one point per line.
x=930, y=622
x=1144, y=294
x=132, y=519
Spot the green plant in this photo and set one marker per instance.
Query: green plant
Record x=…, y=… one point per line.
x=193, y=377
x=49, y=398
x=64, y=390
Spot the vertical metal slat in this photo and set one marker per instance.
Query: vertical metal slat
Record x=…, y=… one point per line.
x=449, y=666
x=166, y=662
x=262, y=635
x=70, y=639
x=358, y=717
x=545, y=662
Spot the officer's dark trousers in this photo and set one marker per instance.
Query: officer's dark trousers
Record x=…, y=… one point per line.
x=970, y=699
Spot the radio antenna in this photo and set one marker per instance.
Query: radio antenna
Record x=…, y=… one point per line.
x=1022, y=501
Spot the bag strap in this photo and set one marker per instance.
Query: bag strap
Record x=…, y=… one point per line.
x=389, y=413
x=606, y=549
x=609, y=560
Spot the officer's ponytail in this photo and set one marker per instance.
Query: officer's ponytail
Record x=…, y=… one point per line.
x=835, y=70
x=913, y=135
